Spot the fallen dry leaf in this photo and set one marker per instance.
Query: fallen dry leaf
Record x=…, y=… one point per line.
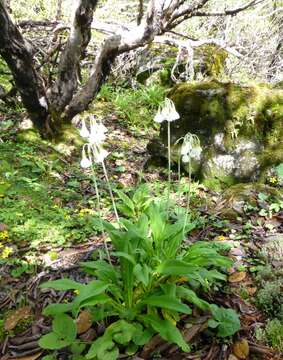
x=16, y=316
x=252, y=290
x=84, y=322
x=28, y=357
x=232, y=357
x=237, y=276
x=241, y=349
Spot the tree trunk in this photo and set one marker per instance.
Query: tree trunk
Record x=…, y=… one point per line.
x=13, y=50
x=62, y=91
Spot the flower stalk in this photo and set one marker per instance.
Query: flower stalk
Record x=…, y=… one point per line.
x=167, y=112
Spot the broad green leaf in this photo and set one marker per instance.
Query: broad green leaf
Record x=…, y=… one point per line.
x=121, y=331
x=191, y=296
x=127, y=201
x=64, y=326
x=126, y=256
x=177, y=268
x=56, y=309
x=141, y=336
x=52, y=341
x=90, y=290
x=212, y=323
x=209, y=258
x=215, y=275
x=97, y=299
x=102, y=269
x=62, y=284
x=103, y=349
x=77, y=348
x=228, y=320
x=141, y=272
x=166, y=330
x=167, y=302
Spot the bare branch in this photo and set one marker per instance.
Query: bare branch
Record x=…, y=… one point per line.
x=187, y=11
x=197, y=43
x=140, y=13
x=231, y=12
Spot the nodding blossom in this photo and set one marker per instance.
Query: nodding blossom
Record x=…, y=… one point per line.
x=84, y=132
x=86, y=161
x=190, y=148
x=95, y=136
x=167, y=112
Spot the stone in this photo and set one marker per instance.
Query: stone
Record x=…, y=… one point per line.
x=273, y=247
x=240, y=130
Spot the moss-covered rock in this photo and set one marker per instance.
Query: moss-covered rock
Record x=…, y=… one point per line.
x=157, y=61
x=240, y=128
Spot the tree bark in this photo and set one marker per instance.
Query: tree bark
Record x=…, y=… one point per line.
x=20, y=62
x=63, y=89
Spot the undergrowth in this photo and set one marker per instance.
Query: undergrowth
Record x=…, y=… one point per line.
x=135, y=106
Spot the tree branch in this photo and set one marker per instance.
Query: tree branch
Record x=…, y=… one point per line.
x=113, y=46
x=63, y=89
x=231, y=12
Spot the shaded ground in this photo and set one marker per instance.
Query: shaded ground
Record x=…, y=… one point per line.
x=46, y=227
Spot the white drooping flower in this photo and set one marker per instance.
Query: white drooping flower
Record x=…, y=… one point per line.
x=159, y=118
x=186, y=148
x=185, y=158
x=97, y=132
x=100, y=154
x=170, y=111
x=95, y=136
x=190, y=148
x=86, y=161
x=167, y=112
x=84, y=132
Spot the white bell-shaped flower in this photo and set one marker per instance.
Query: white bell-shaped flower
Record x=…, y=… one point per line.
x=170, y=111
x=97, y=133
x=159, y=117
x=100, y=154
x=186, y=148
x=186, y=158
x=85, y=162
x=84, y=132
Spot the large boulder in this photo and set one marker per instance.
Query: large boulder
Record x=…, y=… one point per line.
x=240, y=129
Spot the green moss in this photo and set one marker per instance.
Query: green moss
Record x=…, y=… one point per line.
x=28, y=135
x=211, y=60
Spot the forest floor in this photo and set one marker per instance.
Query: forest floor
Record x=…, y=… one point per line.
x=46, y=228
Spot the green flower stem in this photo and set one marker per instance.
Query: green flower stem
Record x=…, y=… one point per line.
x=188, y=198
x=110, y=191
x=99, y=212
x=169, y=166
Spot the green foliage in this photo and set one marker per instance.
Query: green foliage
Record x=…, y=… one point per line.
x=136, y=106
x=225, y=321
x=269, y=298
x=133, y=205
x=35, y=197
x=146, y=292
x=272, y=334
x=64, y=333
